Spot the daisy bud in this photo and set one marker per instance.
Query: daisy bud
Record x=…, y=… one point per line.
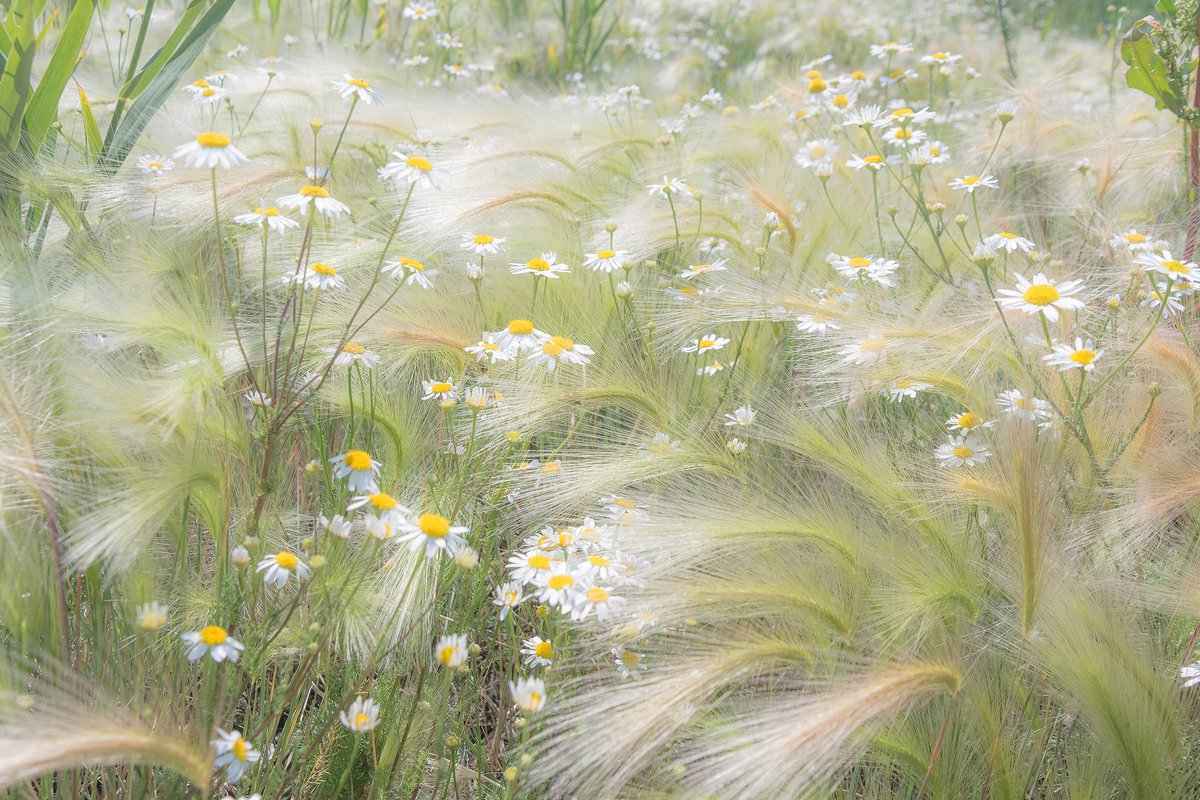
x=610, y=227
x=452, y=742
x=473, y=649
x=824, y=173
x=892, y=211
x=983, y=259
x=624, y=290
x=510, y=774
x=513, y=436
x=697, y=195
x=312, y=466
x=650, y=264
x=314, y=628
x=240, y=556
x=316, y=562
x=313, y=647
x=1006, y=112
x=447, y=403
x=316, y=124
x=1114, y=302
x=467, y=558
x=543, y=611
x=423, y=705
x=629, y=266
x=936, y=208
x=961, y=220
x=1154, y=389
x=520, y=722
x=1083, y=165
x=526, y=759
x=307, y=544
x=251, y=542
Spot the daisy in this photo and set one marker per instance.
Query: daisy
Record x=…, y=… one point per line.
x=599, y=598
x=966, y=422
x=705, y=344
x=439, y=390
x=268, y=217
x=890, y=49
x=605, y=260
x=710, y=369
x=628, y=663
x=508, y=596
x=209, y=151
x=338, y=526
x=558, y=587
x=529, y=567
x=451, y=650
x=483, y=244
x=879, y=270
x=488, y=349
x=381, y=504
x=864, y=116
x=874, y=162
x=357, y=88
x=898, y=391
x=815, y=323
x=661, y=444
x=693, y=270
x=1154, y=299
x=151, y=616
x=905, y=116
x=736, y=446
x=213, y=640
x=1008, y=242
x=317, y=275
x=1040, y=294
x=905, y=137
x=155, y=165
x=415, y=271
x=234, y=753
x=963, y=451
x=817, y=152
x=358, y=469
x=742, y=417
x=209, y=96
x=1166, y=265
x=865, y=351
x=352, y=353
x=278, y=568
x=940, y=59
x=436, y=533
x=361, y=716
x=316, y=196
x=1082, y=355
x=529, y=694
x=382, y=528
x=420, y=10
x=1029, y=409
x=1131, y=239
x=1190, y=675
x=669, y=186
x=969, y=183
x=546, y=266
x=413, y=169
x=520, y=336
x=560, y=349
x=538, y=652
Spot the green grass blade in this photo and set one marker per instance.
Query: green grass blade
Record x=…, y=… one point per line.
x=90, y=128
x=43, y=106
x=15, y=84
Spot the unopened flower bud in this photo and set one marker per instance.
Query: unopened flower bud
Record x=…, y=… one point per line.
x=240, y=556
x=316, y=124
x=961, y=220
x=624, y=290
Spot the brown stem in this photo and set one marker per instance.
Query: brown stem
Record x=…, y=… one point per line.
x=1193, y=225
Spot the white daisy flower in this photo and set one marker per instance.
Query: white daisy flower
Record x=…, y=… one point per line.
x=560, y=349
x=1040, y=294
x=969, y=183
x=316, y=196
x=151, y=616
x=1029, y=409
x=356, y=87
x=601, y=599
x=1132, y=240
x=488, y=349
x=234, y=753
x=419, y=10
x=338, y=526
x=705, y=343
x=483, y=244
x=1008, y=242
x=668, y=186
x=436, y=534
x=816, y=152
x=268, y=217
x=878, y=270
x=874, y=162
x=628, y=663
x=742, y=417
x=605, y=260
x=529, y=694
x=358, y=469
x=966, y=422
x=1165, y=264
x=538, y=652
x=507, y=597
x=209, y=151
x=439, y=390
x=451, y=650
x=1082, y=355
x=214, y=641
x=530, y=566
x=1190, y=675
x=352, y=353
x=362, y=715
x=545, y=266
x=897, y=391
x=278, y=568
x=558, y=587
x=865, y=351
x=520, y=336
x=963, y=451
x=412, y=169
x=718, y=265
x=815, y=323
x=155, y=164
x=317, y=275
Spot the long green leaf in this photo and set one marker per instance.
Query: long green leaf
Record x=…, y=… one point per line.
x=43, y=106
x=161, y=87
x=18, y=71
x=163, y=55
x=90, y=128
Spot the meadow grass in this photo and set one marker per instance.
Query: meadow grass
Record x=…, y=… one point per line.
x=598, y=398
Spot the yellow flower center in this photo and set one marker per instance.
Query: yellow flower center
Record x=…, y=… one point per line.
x=417, y=162
x=621, y=502
x=967, y=420
x=872, y=345
x=817, y=85
x=212, y=140
x=520, y=327
x=483, y=238
x=208, y=93
x=1007, y=235
x=155, y=165
x=630, y=660
x=447, y=654
x=353, y=349
x=413, y=264
x=491, y=346
x=971, y=180
x=323, y=269
x=239, y=748
x=841, y=101
x=1135, y=238
x=902, y=133
x=359, y=83
x=873, y=159
x=941, y=56
x=435, y=526
x=200, y=83
x=440, y=388
x=552, y=467
x=359, y=460
x=313, y=191
x=1083, y=356
x=543, y=649
x=606, y=254
x=860, y=263
x=551, y=349
x=267, y=212
x=563, y=342
x=286, y=560
x=963, y=452
x=557, y=582
x=1042, y=294
x=538, y=264
x=706, y=342
x=597, y=595
x=858, y=75
x=538, y=561
x=361, y=721
x=901, y=113
x=598, y=561
x=383, y=501
x=510, y=598
x=1177, y=267
x=213, y=634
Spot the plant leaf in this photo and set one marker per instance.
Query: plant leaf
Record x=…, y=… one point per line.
x=43, y=106
x=90, y=128
x=1147, y=71
x=15, y=84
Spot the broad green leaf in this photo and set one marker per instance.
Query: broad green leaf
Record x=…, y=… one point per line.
x=43, y=107
x=90, y=128
x=15, y=83
x=1166, y=7
x=160, y=88
x=1147, y=71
